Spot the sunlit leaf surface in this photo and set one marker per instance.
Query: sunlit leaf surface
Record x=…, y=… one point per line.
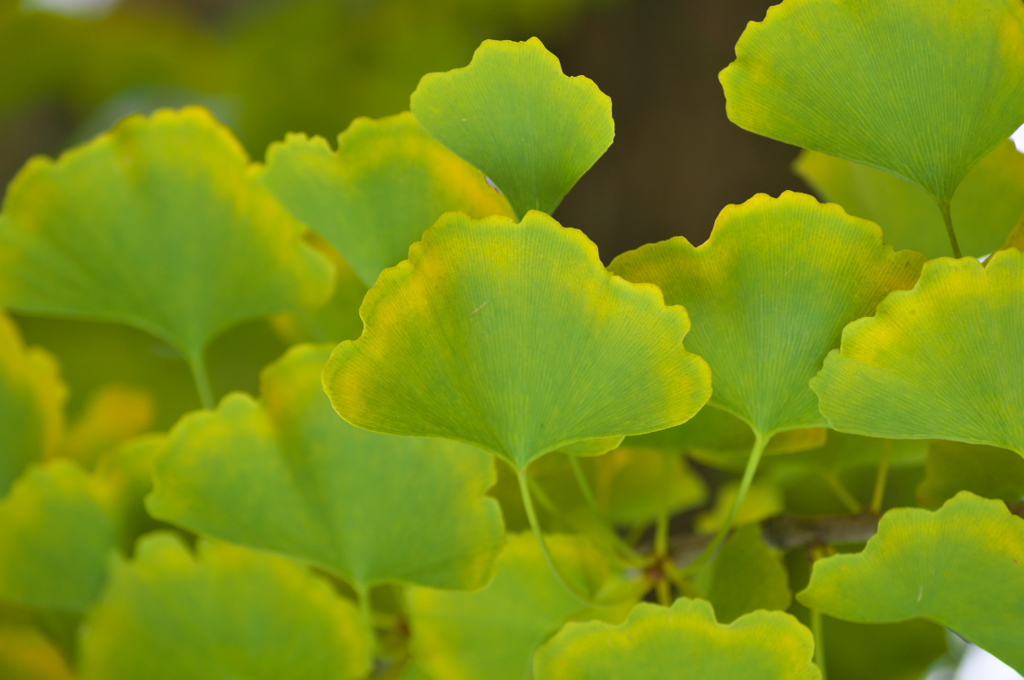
x=941, y=361
x=287, y=474
x=681, y=641
x=960, y=566
x=222, y=614
x=515, y=338
x=769, y=293
x=516, y=116
x=893, y=85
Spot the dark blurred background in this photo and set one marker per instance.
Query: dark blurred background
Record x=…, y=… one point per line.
x=71, y=68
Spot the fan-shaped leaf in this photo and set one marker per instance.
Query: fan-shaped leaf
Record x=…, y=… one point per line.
x=941, y=361
x=772, y=289
x=493, y=633
x=288, y=475
x=516, y=116
x=893, y=85
x=376, y=195
x=223, y=614
x=515, y=338
x=960, y=566
x=985, y=209
x=31, y=404
x=159, y=224
x=681, y=641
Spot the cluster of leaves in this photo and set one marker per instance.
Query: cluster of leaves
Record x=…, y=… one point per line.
x=519, y=422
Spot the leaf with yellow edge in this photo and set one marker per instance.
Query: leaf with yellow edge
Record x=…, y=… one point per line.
x=986, y=207
x=286, y=474
x=376, y=195
x=458, y=636
x=516, y=116
x=681, y=641
x=515, y=338
x=31, y=404
x=770, y=292
x=221, y=614
x=113, y=414
x=160, y=224
x=56, y=537
x=961, y=567
x=893, y=85
x=941, y=361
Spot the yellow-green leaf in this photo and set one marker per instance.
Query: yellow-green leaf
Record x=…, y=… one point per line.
x=516, y=116
x=983, y=470
x=515, y=338
x=962, y=567
x=942, y=361
x=683, y=641
x=745, y=575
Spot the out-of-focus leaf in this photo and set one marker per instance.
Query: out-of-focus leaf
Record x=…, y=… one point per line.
x=681, y=641
x=895, y=651
x=25, y=654
x=516, y=116
x=745, y=575
x=987, y=206
x=124, y=476
x=634, y=485
x=770, y=267
x=959, y=567
x=941, y=361
x=287, y=475
x=112, y=415
x=764, y=500
x=461, y=636
x=31, y=404
x=159, y=224
x=56, y=538
x=376, y=195
x=515, y=338
x=222, y=614
x=983, y=470
x=839, y=77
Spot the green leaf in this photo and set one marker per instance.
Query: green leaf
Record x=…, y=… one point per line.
x=31, y=404
x=895, y=651
x=893, y=85
x=515, y=338
x=493, y=633
x=113, y=414
x=159, y=224
x=763, y=500
x=376, y=195
x=633, y=485
x=286, y=474
x=516, y=116
x=982, y=470
x=941, y=361
x=56, y=538
x=681, y=641
x=772, y=266
x=25, y=654
x=959, y=567
x=745, y=575
x=985, y=209
x=223, y=614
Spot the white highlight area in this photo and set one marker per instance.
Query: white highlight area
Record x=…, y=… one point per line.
x=977, y=664
x=1018, y=138
x=72, y=8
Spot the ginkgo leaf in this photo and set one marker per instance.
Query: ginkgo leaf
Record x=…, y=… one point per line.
x=26, y=654
x=515, y=338
x=763, y=500
x=960, y=567
x=893, y=85
x=894, y=651
x=941, y=361
x=516, y=116
x=681, y=641
x=983, y=470
x=56, y=538
x=31, y=404
x=986, y=207
x=494, y=633
x=222, y=614
x=745, y=575
x=376, y=195
x=160, y=224
x=286, y=474
x=770, y=292
x=114, y=414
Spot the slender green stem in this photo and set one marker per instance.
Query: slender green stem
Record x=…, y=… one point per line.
x=584, y=484
x=841, y=492
x=661, y=530
x=947, y=217
x=760, y=441
x=201, y=376
x=819, y=642
x=878, y=495
x=366, y=615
